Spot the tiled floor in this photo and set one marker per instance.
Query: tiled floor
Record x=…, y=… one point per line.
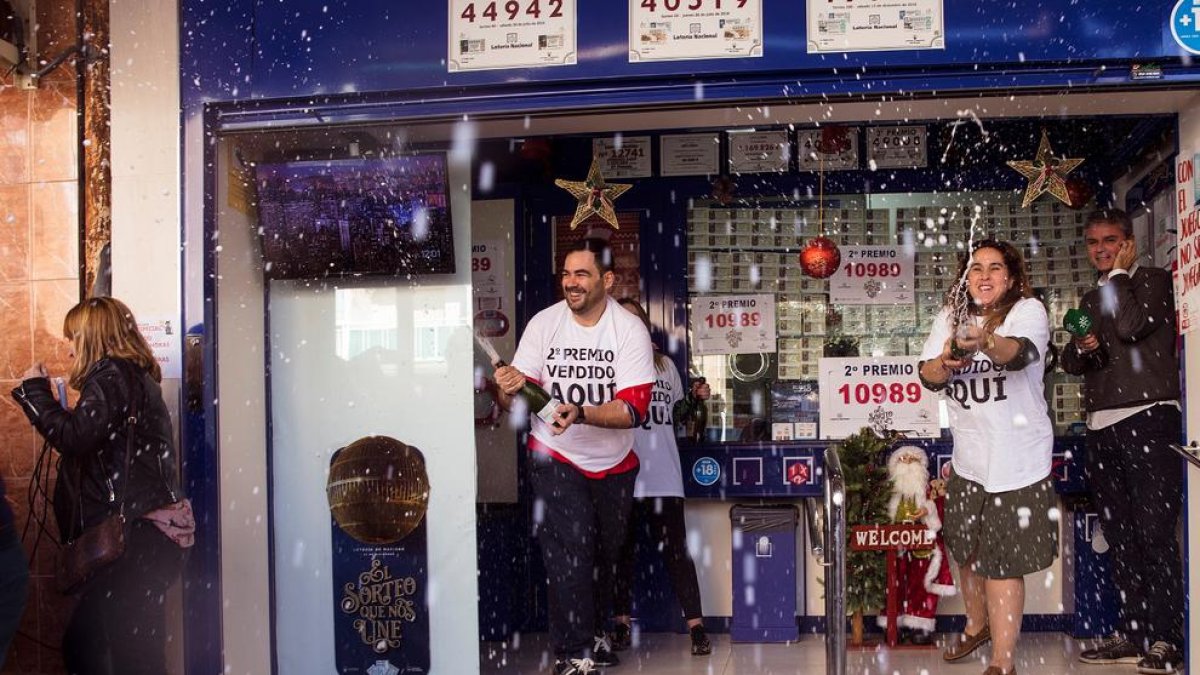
x=668, y=654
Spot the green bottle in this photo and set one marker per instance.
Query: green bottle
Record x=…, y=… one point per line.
x=538, y=399
x=699, y=421
x=1078, y=322
x=956, y=352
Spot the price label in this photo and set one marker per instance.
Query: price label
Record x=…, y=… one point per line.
x=689, y=155
x=897, y=147
x=873, y=275
x=673, y=30
x=623, y=156
x=833, y=149
x=493, y=34
x=733, y=324
x=759, y=152
x=884, y=393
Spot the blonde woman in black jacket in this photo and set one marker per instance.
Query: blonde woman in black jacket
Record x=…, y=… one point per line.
x=119, y=624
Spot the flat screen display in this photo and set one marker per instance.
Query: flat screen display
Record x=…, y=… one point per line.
x=379, y=216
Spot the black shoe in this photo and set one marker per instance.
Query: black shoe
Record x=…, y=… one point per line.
x=622, y=637
x=700, y=644
x=602, y=653
x=574, y=667
x=1115, y=649
x=922, y=638
x=1163, y=658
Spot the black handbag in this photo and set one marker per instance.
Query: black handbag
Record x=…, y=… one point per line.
x=98, y=546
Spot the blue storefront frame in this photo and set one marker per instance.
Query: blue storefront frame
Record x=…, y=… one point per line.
x=244, y=66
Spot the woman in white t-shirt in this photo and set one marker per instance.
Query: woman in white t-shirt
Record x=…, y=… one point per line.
x=658, y=504
x=1001, y=521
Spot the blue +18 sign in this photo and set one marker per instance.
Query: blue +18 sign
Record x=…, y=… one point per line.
x=706, y=471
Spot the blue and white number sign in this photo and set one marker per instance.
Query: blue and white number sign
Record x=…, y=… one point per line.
x=1185, y=25
x=706, y=471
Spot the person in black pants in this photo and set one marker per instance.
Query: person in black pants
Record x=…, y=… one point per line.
x=14, y=577
x=658, y=505
x=1131, y=393
x=117, y=456
x=595, y=361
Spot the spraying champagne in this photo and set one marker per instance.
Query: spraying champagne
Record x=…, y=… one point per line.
x=538, y=400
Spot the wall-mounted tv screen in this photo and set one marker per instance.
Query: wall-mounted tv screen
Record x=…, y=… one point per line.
x=379, y=216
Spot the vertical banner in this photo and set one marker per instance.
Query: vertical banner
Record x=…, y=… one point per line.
x=626, y=250
x=1187, y=298
x=378, y=492
x=380, y=596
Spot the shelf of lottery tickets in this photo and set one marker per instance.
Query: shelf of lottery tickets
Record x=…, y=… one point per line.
x=740, y=250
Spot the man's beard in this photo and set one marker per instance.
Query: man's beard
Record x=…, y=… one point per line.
x=910, y=479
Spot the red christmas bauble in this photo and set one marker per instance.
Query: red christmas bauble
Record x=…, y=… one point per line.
x=1079, y=192
x=820, y=258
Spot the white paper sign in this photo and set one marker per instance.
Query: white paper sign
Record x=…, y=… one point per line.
x=495, y=34
x=759, y=152
x=1187, y=288
x=164, y=338
x=897, y=147
x=873, y=275
x=733, y=324
x=844, y=154
x=878, y=392
x=673, y=30
x=689, y=155
x=493, y=317
x=849, y=26
x=630, y=160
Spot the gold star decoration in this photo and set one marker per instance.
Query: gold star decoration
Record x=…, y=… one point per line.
x=595, y=196
x=1046, y=173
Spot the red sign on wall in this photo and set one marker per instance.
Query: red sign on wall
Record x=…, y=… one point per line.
x=891, y=538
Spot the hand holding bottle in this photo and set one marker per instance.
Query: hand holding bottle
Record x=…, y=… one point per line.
x=509, y=379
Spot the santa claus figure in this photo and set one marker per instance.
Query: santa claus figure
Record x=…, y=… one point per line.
x=924, y=576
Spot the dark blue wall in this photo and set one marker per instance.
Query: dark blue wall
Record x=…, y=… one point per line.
x=271, y=49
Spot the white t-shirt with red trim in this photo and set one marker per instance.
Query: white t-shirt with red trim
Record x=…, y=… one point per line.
x=588, y=365
x=1003, y=438
x=654, y=441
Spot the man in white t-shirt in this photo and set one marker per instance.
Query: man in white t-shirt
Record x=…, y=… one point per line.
x=596, y=360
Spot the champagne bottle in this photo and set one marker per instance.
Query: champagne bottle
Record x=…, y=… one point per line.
x=956, y=352
x=538, y=399
x=695, y=419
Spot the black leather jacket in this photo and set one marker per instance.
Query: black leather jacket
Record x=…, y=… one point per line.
x=92, y=439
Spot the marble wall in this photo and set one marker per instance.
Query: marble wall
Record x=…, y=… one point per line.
x=39, y=282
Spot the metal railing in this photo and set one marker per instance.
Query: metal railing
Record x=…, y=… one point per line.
x=827, y=537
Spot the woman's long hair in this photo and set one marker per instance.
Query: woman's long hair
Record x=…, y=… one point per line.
x=1020, y=289
x=660, y=361
x=104, y=327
